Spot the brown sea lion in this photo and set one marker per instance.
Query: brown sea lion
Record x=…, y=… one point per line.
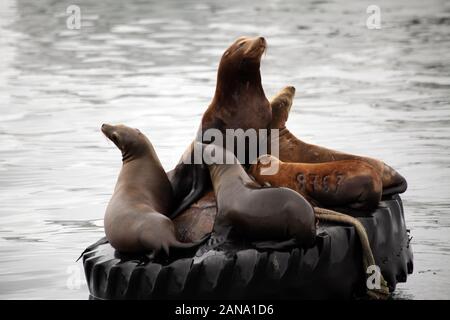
x=239, y=102
x=135, y=219
x=292, y=149
x=345, y=183
x=249, y=211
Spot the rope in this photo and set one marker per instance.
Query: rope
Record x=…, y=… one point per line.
x=368, y=259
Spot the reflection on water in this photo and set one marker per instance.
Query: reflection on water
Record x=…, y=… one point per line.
x=152, y=65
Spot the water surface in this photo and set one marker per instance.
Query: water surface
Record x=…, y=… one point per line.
x=152, y=65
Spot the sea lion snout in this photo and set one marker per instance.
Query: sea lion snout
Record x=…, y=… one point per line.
x=247, y=48
x=255, y=47
x=111, y=133
x=258, y=42
x=130, y=141
x=290, y=89
x=106, y=129
x=263, y=164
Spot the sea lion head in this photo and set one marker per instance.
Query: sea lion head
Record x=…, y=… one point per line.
x=281, y=106
x=239, y=100
x=130, y=141
x=245, y=49
x=263, y=165
x=242, y=59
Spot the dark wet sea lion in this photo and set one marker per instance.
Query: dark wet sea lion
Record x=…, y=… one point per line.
x=135, y=219
x=345, y=183
x=189, y=182
x=293, y=149
x=249, y=211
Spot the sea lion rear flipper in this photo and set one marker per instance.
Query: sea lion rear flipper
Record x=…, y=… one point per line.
x=99, y=242
x=395, y=182
x=400, y=188
x=181, y=249
x=195, y=243
x=189, y=181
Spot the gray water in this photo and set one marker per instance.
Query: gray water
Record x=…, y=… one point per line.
x=152, y=65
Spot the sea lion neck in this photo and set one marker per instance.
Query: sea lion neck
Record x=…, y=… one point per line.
x=218, y=170
x=127, y=157
x=137, y=171
x=131, y=153
x=277, y=123
x=136, y=166
x=279, y=118
x=231, y=83
x=283, y=133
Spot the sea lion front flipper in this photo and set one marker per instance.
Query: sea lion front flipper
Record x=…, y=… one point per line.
x=188, y=180
x=99, y=242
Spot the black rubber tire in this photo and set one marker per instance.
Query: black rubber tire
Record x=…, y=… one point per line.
x=330, y=269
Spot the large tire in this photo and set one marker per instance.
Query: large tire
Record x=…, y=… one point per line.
x=330, y=269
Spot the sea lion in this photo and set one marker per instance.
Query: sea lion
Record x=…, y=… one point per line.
x=136, y=217
x=239, y=102
x=189, y=181
x=292, y=149
x=345, y=183
x=239, y=106
x=246, y=210
x=197, y=221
